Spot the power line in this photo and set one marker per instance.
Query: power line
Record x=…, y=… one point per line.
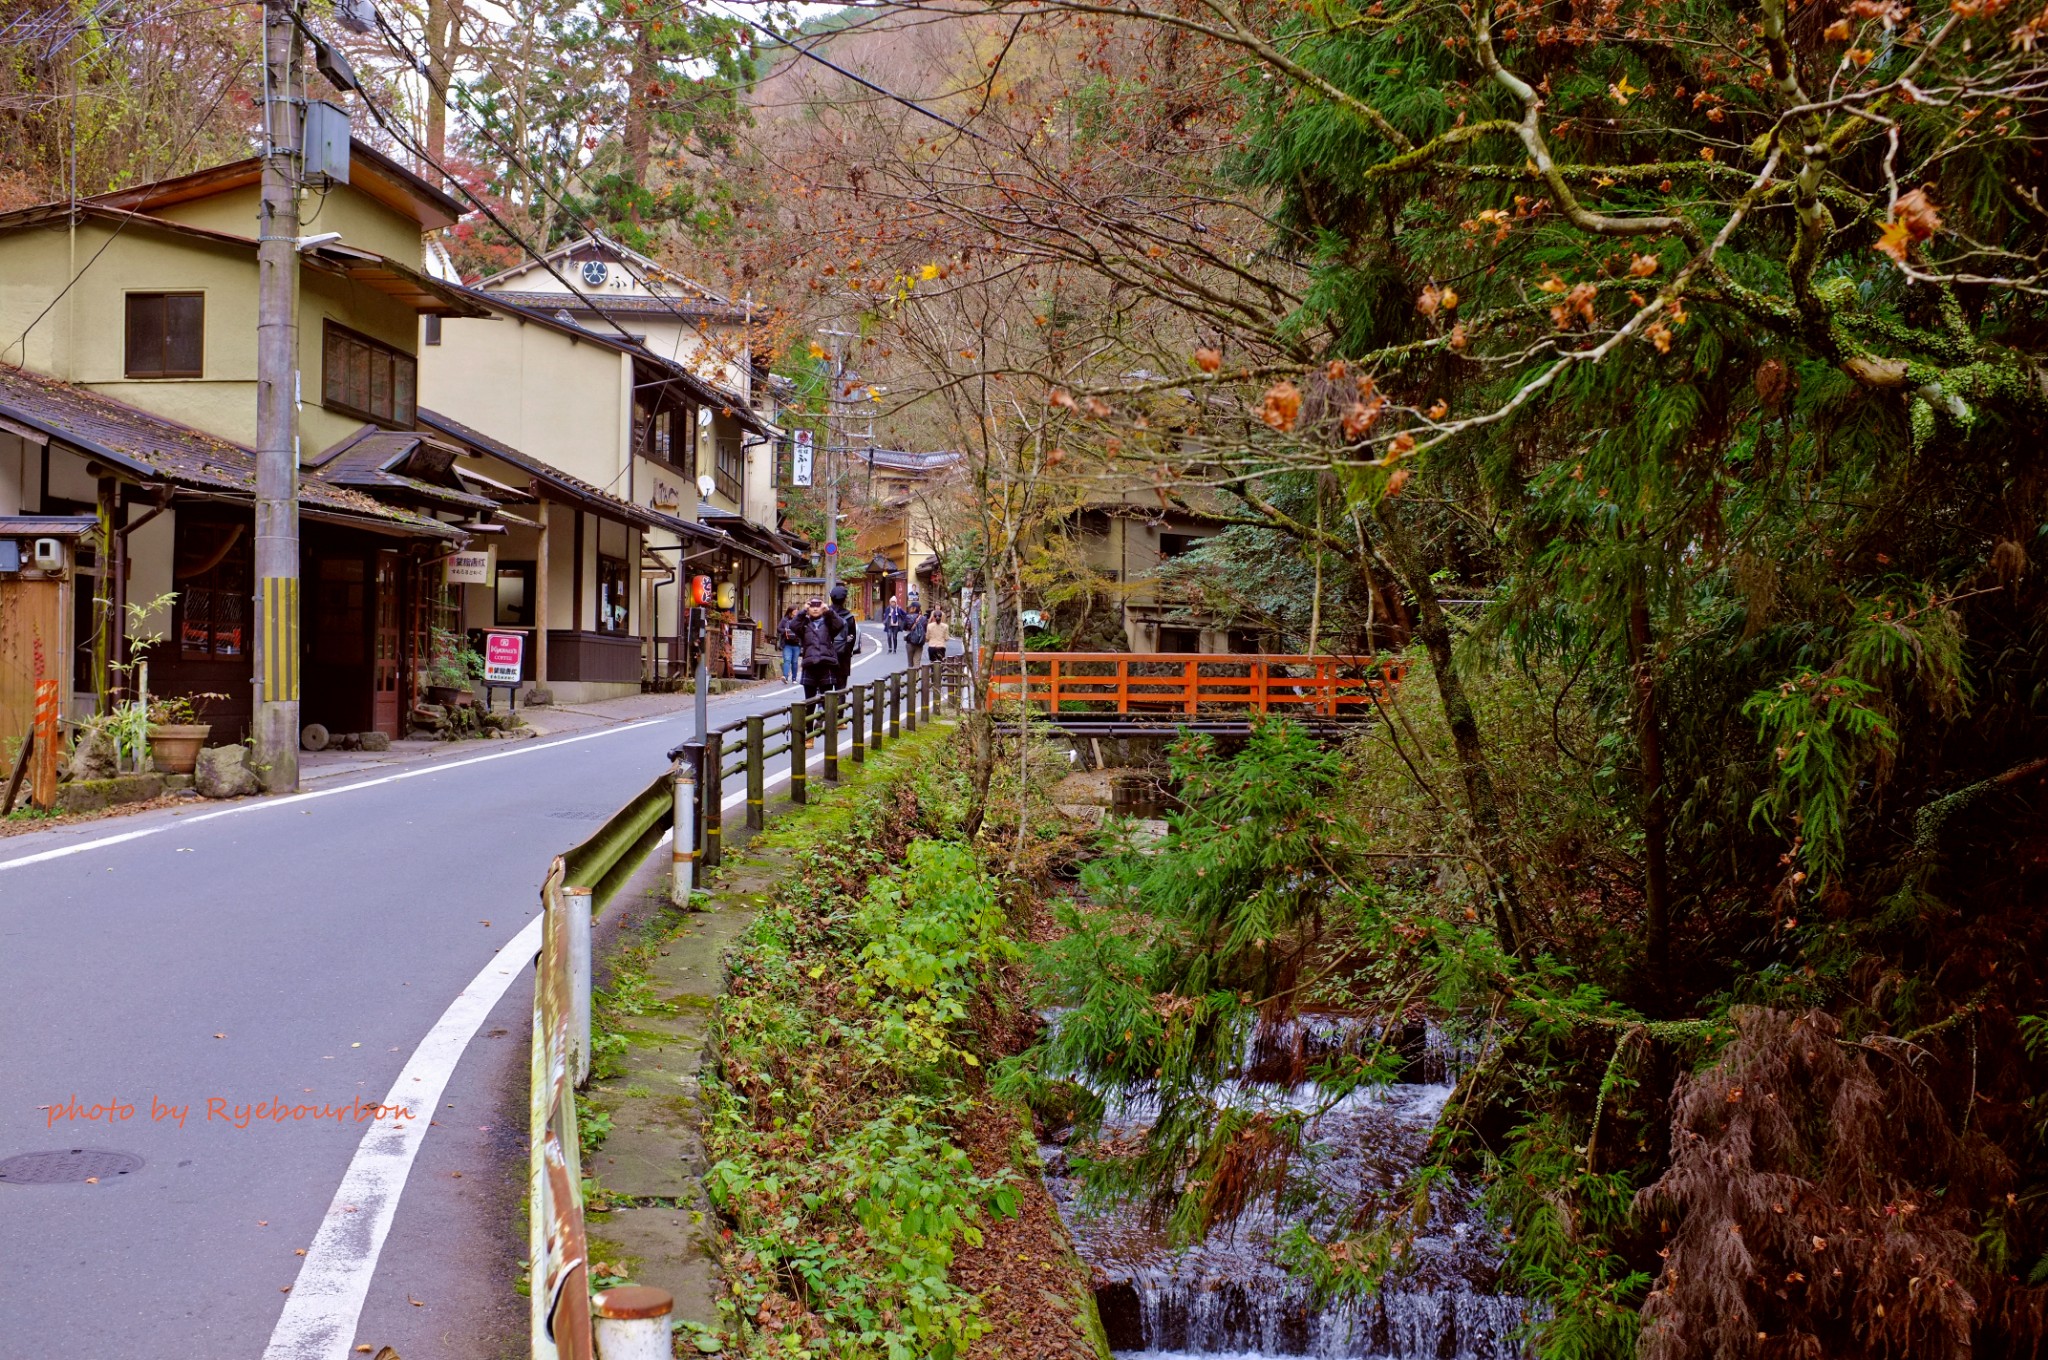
x=122, y=225
x=516, y=161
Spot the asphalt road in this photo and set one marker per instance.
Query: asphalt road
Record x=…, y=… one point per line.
x=295, y=949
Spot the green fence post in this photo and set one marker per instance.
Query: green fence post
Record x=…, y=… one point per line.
x=757, y=776
x=711, y=794
x=832, y=736
x=799, y=750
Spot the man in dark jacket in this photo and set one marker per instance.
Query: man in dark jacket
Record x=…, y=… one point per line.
x=892, y=623
x=849, y=637
x=818, y=630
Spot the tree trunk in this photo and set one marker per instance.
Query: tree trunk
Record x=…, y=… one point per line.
x=444, y=31
x=1655, y=814
x=638, y=138
x=1403, y=556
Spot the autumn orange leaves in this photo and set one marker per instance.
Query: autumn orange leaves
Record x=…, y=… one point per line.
x=1913, y=219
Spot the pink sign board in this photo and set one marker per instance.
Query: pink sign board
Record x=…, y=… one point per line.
x=504, y=658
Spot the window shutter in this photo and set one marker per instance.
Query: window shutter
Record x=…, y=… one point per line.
x=404, y=377
x=184, y=335
x=145, y=335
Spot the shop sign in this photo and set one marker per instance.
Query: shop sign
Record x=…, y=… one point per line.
x=469, y=568
x=800, y=460
x=504, y=658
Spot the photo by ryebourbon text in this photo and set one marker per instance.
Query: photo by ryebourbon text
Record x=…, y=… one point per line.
x=221, y=1110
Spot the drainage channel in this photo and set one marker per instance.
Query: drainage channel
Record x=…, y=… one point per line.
x=1227, y=1296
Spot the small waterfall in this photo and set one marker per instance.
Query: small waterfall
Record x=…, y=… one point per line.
x=1226, y=1297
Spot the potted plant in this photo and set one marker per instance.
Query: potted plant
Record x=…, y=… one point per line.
x=175, y=731
x=453, y=669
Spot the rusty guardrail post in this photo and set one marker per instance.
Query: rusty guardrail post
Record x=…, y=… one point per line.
x=757, y=777
x=576, y=932
x=632, y=1323
x=857, y=722
x=799, y=751
x=831, y=698
x=711, y=797
x=683, y=857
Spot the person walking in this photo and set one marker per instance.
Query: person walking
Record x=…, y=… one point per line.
x=792, y=645
x=913, y=637
x=892, y=624
x=818, y=630
x=849, y=637
x=936, y=637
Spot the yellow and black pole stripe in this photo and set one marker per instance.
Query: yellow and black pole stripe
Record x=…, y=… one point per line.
x=281, y=639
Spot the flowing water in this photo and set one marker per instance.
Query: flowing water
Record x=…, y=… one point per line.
x=1226, y=1297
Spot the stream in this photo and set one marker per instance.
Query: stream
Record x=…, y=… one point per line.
x=1226, y=1297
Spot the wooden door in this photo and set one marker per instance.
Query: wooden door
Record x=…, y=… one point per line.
x=30, y=650
x=384, y=649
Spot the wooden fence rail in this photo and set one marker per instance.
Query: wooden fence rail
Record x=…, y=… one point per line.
x=1166, y=684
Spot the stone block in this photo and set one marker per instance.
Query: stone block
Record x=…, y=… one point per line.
x=375, y=741
x=223, y=772
x=94, y=795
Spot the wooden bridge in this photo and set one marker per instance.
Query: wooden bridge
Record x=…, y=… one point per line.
x=1093, y=689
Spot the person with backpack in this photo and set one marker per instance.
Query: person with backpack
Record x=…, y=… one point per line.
x=849, y=639
x=818, y=631
x=914, y=632
x=792, y=645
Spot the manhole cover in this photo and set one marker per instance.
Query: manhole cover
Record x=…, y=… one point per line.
x=72, y=1165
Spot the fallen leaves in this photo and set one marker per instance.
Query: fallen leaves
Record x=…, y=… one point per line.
x=1208, y=360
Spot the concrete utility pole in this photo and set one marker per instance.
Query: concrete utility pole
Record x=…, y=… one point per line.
x=832, y=468
x=276, y=654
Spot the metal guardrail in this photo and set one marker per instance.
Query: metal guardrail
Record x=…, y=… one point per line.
x=567, y=1322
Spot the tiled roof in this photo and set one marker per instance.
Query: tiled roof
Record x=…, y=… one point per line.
x=382, y=460
x=152, y=448
x=568, y=486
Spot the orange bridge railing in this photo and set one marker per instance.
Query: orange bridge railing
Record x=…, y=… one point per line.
x=1191, y=684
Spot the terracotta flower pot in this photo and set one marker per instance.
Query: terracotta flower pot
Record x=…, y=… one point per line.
x=175, y=746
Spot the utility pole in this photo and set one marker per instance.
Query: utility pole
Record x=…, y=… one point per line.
x=832, y=468
x=276, y=654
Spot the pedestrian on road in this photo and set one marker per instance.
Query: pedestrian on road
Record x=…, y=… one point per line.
x=818, y=630
x=792, y=645
x=914, y=637
x=849, y=637
x=936, y=637
x=892, y=623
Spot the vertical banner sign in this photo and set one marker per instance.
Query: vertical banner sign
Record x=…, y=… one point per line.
x=800, y=460
x=504, y=658
x=281, y=639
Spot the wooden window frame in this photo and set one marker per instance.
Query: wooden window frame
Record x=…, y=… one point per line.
x=625, y=596
x=162, y=297
x=371, y=350
x=729, y=469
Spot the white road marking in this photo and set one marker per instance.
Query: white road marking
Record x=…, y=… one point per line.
x=326, y=1302
x=432, y=767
